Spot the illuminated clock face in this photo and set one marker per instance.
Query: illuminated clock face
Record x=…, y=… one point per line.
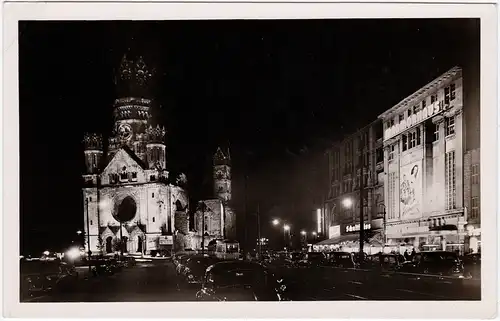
x=125, y=131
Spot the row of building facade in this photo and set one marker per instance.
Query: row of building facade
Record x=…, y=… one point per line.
x=420, y=165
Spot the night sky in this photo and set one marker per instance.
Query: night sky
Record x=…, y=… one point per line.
x=278, y=92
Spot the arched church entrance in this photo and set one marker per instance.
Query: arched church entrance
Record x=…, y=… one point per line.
x=124, y=244
x=109, y=244
x=139, y=244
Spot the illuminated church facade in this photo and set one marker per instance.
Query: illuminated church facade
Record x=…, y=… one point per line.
x=130, y=202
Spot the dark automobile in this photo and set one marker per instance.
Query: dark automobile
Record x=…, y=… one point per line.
x=180, y=261
x=386, y=262
x=38, y=277
x=195, y=268
x=472, y=265
x=341, y=260
x=103, y=267
x=240, y=281
x=440, y=263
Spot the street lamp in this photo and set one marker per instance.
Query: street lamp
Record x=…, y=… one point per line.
x=276, y=221
x=304, y=233
x=347, y=202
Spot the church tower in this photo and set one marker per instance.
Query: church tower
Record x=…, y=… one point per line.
x=222, y=175
x=132, y=111
x=93, y=152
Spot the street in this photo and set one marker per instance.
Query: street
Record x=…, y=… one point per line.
x=157, y=281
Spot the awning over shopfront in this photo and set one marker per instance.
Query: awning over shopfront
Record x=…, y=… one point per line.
x=372, y=239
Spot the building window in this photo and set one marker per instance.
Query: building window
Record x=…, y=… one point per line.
x=90, y=199
x=134, y=176
x=123, y=175
x=423, y=104
x=418, y=136
x=409, y=112
x=447, y=95
x=433, y=98
x=153, y=195
x=392, y=122
x=153, y=219
x=450, y=125
x=474, y=213
x=436, y=132
x=450, y=180
x=152, y=178
x=391, y=152
x=415, y=109
x=380, y=155
x=90, y=222
x=405, y=142
x=452, y=92
x=401, y=118
x=412, y=139
x=475, y=174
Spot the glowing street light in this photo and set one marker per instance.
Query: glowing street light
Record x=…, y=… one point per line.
x=78, y=232
x=303, y=232
x=73, y=253
x=46, y=253
x=347, y=202
x=286, y=227
x=276, y=221
x=314, y=233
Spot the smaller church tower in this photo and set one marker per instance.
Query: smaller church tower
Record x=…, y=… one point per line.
x=155, y=148
x=222, y=175
x=93, y=152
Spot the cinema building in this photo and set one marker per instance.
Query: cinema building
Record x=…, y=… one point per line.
x=424, y=147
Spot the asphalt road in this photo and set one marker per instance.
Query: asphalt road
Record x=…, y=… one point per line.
x=156, y=281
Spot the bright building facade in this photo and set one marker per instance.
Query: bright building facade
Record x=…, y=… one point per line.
x=424, y=166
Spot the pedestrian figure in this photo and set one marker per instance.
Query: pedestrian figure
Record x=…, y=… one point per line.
x=413, y=253
x=406, y=255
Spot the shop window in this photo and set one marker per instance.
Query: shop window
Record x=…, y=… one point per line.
x=450, y=125
x=405, y=142
x=475, y=174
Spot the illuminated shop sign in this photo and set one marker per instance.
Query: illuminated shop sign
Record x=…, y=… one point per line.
x=355, y=228
x=415, y=119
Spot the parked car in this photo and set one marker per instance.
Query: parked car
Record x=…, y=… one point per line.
x=240, y=281
x=440, y=263
x=472, y=265
x=341, y=260
x=38, y=277
x=194, y=269
x=385, y=262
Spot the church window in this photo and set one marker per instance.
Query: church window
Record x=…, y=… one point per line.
x=153, y=219
x=123, y=175
x=134, y=176
x=153, y=195
x=152, y=178
x=90, y=199
x=206, y=227
x=90, y=222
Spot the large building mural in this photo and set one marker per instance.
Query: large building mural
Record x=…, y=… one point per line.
x=411, y=190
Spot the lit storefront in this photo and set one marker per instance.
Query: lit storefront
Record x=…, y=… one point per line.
x=423, y=159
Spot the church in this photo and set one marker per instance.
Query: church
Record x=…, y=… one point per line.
x=215, y=218
x=130, y=202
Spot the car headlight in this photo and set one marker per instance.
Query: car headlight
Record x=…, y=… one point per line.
x=190, y=276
